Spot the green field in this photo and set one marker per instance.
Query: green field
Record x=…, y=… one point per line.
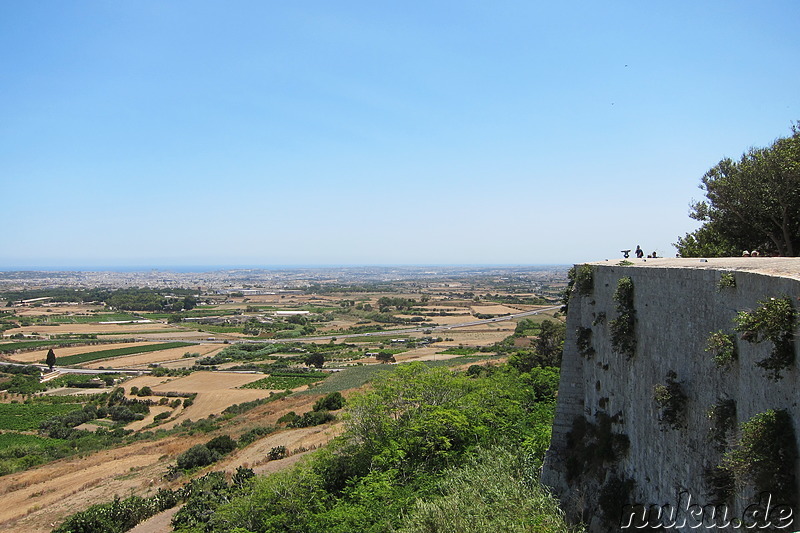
x=26, y=417
x=284, y=382
x=116, y=352
x=21, y=440
x=349, y=378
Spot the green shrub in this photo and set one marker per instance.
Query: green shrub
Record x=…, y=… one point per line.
x=672, y=401
x=197, y=456
x=313, y=418
x=289, y=418
x=277, y=452
x=583, y=340
x=774, y=320
x=614, y=495
x=118, y=515
x=584, y=280
x=331, y=402
x=722, y=416
x=766, y=455
x=592, y=447
x=726, y=281
x=722, y=347
x=623, y=328
x=222, y=445
x=581, y=282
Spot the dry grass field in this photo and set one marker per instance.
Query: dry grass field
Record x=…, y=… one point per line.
x=494, y=309
x=215, y=392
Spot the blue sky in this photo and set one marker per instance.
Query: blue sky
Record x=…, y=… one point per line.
x=258, y=133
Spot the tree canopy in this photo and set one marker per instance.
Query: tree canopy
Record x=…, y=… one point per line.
x=751, y=204
x=51, y=359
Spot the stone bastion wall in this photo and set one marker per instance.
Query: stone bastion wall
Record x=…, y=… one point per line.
x=614, y=445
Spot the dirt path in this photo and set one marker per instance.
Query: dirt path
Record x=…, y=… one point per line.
x=160, y=523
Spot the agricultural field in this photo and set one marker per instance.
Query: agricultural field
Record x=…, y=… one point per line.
x=247, y=354
x=285, y=381
x=27, y=417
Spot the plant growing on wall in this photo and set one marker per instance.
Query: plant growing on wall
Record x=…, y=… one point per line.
x=726, y=281
x=766, y=455
x=613, y=498
x=722, y=347
x=721, y=483
x=623, y=328
x=722, y=416
x=581, y=282
x=672, y=401
x=599, y=319
x=583, y=339
x=593, y=446
x=774, y=320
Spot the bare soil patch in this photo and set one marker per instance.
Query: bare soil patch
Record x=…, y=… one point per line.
x=428, y=353
x=494, y=309
x=215, y=392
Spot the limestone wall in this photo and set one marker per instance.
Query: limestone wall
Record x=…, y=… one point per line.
x=678, y=304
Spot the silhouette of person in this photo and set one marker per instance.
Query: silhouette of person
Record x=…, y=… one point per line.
x=639, y=252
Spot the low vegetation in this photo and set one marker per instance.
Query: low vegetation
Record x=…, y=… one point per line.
x=764, y=454
x=623, y=328
x=286, y=381
x=417, y=425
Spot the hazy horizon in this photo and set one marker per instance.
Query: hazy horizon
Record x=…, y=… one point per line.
x=214, y=268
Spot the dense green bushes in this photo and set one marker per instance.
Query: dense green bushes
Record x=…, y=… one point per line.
x=494, y=491
x=401, y=436
x=204, y=454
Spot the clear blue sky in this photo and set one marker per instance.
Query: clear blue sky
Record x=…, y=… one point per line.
x=155, y=133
